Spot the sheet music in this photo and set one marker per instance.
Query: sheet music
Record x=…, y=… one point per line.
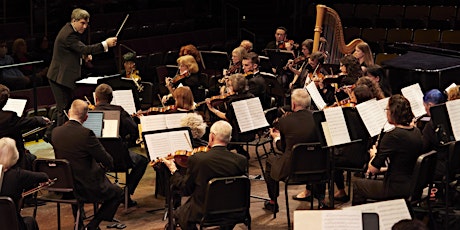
x=373, y=116
x=337, y=126
x=164, y=143
x=328, y=219
x=249, y=114
x=389, y=212
x=125, y=99
x=315, y=95
x=15, y=105
x=453, y=85
x=110, y=128
x=95, y=122
x=93, y=80
x=453, y=109
x=161, y=121
x=414, y=94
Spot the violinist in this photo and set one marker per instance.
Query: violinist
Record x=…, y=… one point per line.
x=192, y=50
x=302, y=72
x=129, y=134
x=190, y=76
x=201, y=167
x=316, y=74
x=236, y=64
x=280, y=39
x=130, y=71
x=351, y=71
x=256, y=81
x=16, y=180
x=238, y=84
x=247, y=45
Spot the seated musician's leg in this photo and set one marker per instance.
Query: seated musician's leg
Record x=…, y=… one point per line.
x=272, y=187
x=139, y=166
x=364, y=189
x=108, y=208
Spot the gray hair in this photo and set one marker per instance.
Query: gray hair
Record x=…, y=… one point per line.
x=9, y=154
x=196, y=124
x=301, y=98
x=222, y=130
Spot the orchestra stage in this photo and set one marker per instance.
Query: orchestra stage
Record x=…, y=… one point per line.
x=141, y=217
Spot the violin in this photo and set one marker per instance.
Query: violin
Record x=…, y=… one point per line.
x=155, y=110
x=134, y=75
x=215, y=98
x=179, y=77
x=235, y=68
x=282, y=45
x=181, y=156
x=297, y=60
x=90, y=106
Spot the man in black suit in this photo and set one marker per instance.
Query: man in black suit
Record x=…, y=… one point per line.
x=68, y=55
x=129, y=134
x=89, y=161
x=11, y=125
x=280, y=38
x=202, y=167
x=297, y=127
x=256, y=82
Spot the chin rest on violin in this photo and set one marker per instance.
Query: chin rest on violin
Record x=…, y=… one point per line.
x=181, y=156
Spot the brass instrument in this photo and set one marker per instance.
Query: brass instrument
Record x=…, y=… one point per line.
x=134, y=75
x=339, y=41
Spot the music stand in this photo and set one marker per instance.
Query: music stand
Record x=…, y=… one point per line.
x=104, y=123
x=441, y=123
x=274, y=87
x=279, y=58
x=265, y=65
x=214, y=60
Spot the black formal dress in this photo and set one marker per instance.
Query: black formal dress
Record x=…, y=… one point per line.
x=198, y=85
x=85, y=153
x=202, y=167
x=11, y=126
x=15, y=181
x=402, y=147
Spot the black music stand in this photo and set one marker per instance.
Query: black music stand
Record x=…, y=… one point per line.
x=441, y=123
x=214, y=60
x=265, y=65
x=274, y=87
x=279, y=58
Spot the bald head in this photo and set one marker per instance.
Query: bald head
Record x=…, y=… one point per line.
x=79, y=110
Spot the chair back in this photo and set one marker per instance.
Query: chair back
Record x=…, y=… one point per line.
x=231, y=210
x=8, y=215
x=309, y=163
x=454, y=158
x=56, y=168
x=119, y=152
x=422, y=175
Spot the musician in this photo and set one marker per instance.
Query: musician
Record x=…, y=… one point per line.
x=307, y=47
x=297, y=127
x=377, y=73
x=202, y=167
x=89, y=160
x=280, y=38
x=350, y=67
x=316, y=73
x=11, y=125
x=430, y=139
x=402, y=146
x=247, y=45
x=238, y=85
x=129, y=134
x=190, y=76
x=373, y=86
x=68, y=53
x=453, y=93
x=364, y=55
x=192, y=50
x=256, y=81
x=237, y=57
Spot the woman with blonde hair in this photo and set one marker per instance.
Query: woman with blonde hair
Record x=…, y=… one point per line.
x=193, y=51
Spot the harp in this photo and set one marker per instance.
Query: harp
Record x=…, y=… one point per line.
x=333, y=33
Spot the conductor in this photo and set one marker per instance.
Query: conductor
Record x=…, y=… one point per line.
x=68, y=55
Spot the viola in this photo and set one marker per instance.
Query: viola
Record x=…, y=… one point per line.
x=155, y=110
x=181, y=156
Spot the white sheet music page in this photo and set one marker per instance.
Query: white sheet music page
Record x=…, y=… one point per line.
x=173, y=120
x=15, y=105
x=153, y=122
x=337, y=125
x=249, y=114
x=453, y=109
x=316, y=96
x=373, y=116
x=125, y=99
x=328, y=219
x=164, y=143
x=110, y=128
x=414, y=94
x=389, y=212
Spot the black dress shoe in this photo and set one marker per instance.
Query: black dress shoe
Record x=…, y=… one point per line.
x=271, y=207
x=342, y=199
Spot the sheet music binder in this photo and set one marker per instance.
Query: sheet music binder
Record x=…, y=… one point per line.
x=157, y=149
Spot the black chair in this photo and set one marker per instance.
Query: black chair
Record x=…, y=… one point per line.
x=309, y=165
x=422, y=177
x=60, y=169
x=121, y=162
x=8, y=215
x=233, y=209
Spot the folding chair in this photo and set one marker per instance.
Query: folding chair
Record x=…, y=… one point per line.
x=8, y=215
